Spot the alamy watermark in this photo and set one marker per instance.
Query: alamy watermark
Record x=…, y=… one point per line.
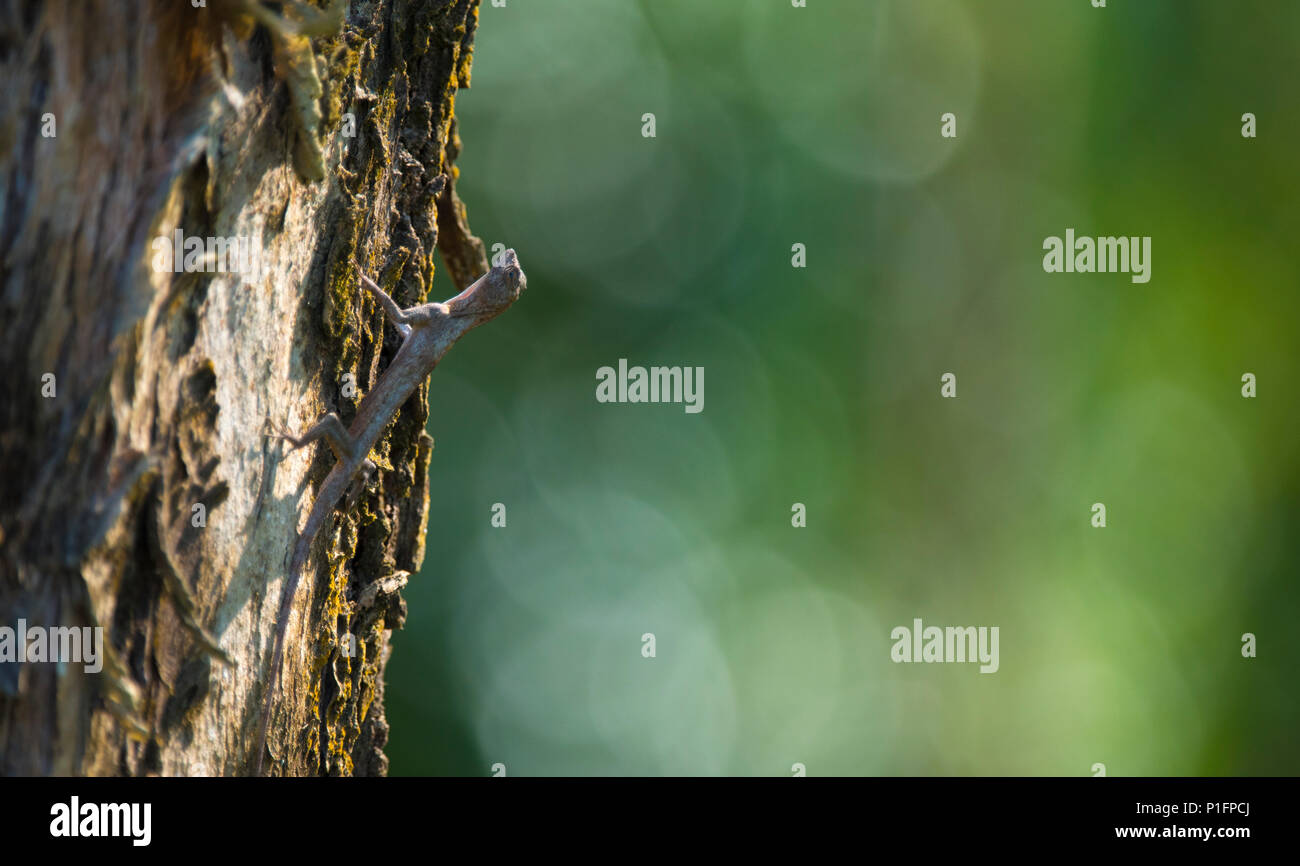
x=57, y=645
x=75, y=818
x=182, y=254
x=1084, y=255
x=651, y=385
x=951, y=644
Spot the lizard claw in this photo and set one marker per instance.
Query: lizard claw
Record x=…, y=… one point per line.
x=294, y=442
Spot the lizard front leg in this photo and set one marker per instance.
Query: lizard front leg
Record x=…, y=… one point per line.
x=403, y=320
x=399, y=317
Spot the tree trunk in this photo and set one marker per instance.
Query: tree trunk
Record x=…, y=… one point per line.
x=140, y=493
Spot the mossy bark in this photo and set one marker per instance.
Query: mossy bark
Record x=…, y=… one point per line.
x=140, y=495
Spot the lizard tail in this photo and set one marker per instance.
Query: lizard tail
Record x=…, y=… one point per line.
x=277, y=653
x=327, y=497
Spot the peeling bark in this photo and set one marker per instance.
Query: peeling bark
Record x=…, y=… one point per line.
x=206, y=120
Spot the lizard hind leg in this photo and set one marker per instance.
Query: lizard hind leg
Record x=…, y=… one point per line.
x=365, y=477
x=329, y=428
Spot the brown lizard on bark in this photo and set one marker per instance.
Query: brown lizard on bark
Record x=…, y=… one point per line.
x=427, y=331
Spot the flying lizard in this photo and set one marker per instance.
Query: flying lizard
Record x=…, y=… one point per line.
x=427, y=332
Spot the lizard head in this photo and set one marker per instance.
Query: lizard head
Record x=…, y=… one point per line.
x=508, y=278
x=493, y=292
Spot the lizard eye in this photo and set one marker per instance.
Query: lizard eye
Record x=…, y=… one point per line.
x=512, y=276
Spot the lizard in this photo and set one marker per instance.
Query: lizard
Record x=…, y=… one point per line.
x=427, y=332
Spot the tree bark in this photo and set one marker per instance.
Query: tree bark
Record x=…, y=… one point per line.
x=139, y=493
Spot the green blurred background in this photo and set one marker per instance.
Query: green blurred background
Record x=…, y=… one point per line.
x=820, y=126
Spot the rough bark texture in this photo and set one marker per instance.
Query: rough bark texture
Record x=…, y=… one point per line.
x=211, y=120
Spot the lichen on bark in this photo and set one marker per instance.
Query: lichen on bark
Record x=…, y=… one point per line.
x=172, y=117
